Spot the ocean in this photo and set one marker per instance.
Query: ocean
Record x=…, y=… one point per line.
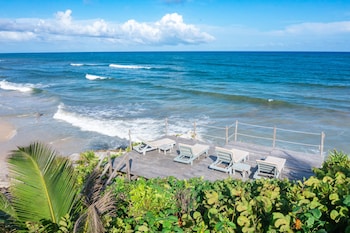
x=97, y=100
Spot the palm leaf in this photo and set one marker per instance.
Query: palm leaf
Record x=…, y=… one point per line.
x=97, y=203
x=42, y=184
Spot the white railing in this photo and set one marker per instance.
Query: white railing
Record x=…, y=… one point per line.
x=257, y=134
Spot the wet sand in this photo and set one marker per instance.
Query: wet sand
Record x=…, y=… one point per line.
x=12, y=136
x=7, y=132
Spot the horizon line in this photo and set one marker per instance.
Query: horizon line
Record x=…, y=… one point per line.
x=182, y=51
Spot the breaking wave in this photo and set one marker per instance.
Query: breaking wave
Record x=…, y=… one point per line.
x=95, y=77
x=119, y=66
x=27, y=87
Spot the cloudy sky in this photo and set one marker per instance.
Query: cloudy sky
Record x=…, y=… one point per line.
x=174, y=25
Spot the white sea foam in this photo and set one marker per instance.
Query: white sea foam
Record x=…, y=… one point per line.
x=147, y=129
x=76, y=64
x=5, y=85
x=119, y=66
x=94, y=77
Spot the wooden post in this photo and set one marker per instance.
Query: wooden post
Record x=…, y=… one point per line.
x=322, y=143
x=166, y=126
x=274, y=137
x=110, y=163
x=130, y=142
x=236, y=130
x=226, y=135
x=128, y=175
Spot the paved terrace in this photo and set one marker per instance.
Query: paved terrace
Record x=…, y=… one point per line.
x=154, y=164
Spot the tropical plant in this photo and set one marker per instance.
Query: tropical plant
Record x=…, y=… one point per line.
x=97, y=203
x=42, y=187
x=320, y=203
x=336, y=162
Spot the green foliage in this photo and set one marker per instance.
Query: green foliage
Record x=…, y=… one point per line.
x=85, y=165
x=336, y=162
x=43, y=187
x=318, y=204
x=146, y=197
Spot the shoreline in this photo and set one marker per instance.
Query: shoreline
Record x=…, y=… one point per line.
x=7, y=133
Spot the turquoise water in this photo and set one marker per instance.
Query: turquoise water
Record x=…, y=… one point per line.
x=95, y=99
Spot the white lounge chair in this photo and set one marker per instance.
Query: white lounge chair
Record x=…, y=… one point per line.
x=188, y=153
x=160, y=144
x=271, y=167
x=226, y=158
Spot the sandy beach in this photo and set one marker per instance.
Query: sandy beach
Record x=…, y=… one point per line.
x=12, y=136
x=7, y=132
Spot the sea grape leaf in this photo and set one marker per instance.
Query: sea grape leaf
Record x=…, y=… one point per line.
x=315, y=203
x=334, y=197
x=197, y=215
x=213, y=211
x=312, y=181
x=308, y=194
x=242, y=220
x=316, y=213
x=143, y=228
x=213, y=197
x=242, y=207
x=280, y=222
x=277, y=215
x=347, y=200
x=334, y=214
x=343, y=211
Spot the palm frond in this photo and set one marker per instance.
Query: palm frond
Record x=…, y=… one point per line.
x=6, y=207
x=42, y=184
x=97, y=202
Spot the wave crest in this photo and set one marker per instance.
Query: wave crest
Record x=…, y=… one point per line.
x=94, y=77
x=76, y=64
x=5, y=85
x=140, y=128
x=119, y=66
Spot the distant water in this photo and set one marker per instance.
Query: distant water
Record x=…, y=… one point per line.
x=93, y=100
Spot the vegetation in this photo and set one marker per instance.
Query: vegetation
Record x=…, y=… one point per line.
x=320, y=203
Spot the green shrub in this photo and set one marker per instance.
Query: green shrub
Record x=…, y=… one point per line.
x=335, y=162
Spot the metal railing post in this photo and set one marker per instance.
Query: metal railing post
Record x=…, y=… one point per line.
x=226, y=137
x=274, y=137
x=194, y=130
x=166, y=126
x=236, y=130
x=322, y=142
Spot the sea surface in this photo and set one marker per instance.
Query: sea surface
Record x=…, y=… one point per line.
x=100, y=100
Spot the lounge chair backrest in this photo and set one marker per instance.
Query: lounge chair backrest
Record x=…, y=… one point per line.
x=185, y=150
x=223, y=155
x=267, y=169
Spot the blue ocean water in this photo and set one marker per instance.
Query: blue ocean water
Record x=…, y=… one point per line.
x=97, y=100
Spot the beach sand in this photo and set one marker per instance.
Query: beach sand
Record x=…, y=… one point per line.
x=7, y=132
x=13, y=136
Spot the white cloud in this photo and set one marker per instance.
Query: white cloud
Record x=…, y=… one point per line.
x=316, y=29
x=16, y=36
x=169, y=30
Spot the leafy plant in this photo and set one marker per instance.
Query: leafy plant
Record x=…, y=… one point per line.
x=318, y=204
x=43, y=187
x=97, y=203
x=335, y=162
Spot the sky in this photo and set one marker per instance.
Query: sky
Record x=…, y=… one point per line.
x=174, y=25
